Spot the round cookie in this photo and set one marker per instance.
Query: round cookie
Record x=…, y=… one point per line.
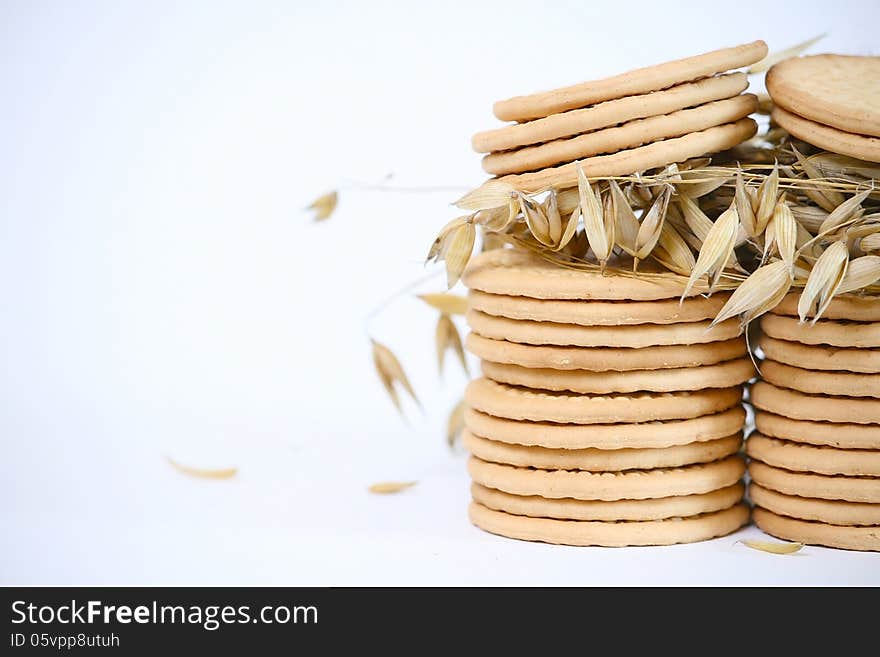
x=515, y=403
x=637, y=336
x=645, y=435
x=846, y=306
x=840, y=435
x=826, y=487
x=809, y=458
x=639, y=81
x=610, y=534
x=832, y=512
x=817, y=533
x=599, y=313
x=841, y=91
x=818, y=357
x=600, y=460
x=680, y=506
x=818, y=382
x=610, y=113
x=604, y=359
x=800, y=406
x=632, y=160
x=630, y=485
x=831, y=139
x=720, y=375
x=628, y=135
x=824, y=331
x=516, y=272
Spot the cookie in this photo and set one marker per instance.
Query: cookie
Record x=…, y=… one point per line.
x=627, y=135
x=817, y=382
x=515, y=403
x=633, y=160
x=817, y=533
x=823, y=358
x=801, y=406
x=518, y=273
x=846, y=306
x=832, y=512
x=610, y=113
x=600, y=460
x=610, y=534
x=645, y=435
x=599, y=313
x=679, y=506
x=810, y=458
x=840, y=435
x=831, y=139
x=630, y=485
x=604, y=359
x=570, y=335
x=721, y=375
x=639, y=81
x=825, y=331
x=826, y=487
x=841, y=91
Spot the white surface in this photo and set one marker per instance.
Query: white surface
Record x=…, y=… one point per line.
x=163, y=294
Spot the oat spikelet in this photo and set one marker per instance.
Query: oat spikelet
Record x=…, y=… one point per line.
x=703, y=182
x=860, y=273
x=626, y=225
x=202, y=473
x=767, y=196
x=457, y=251
x=447, y=337
x=673, y=251
x=846, y=211
x=450, y=304
x=550, y=209
x=824, y=198
x=455, y=423
x=390, y=487
x=694, y=217
x=717, y=249
x=773, y=547
x=491, y=194
x=390, y=373
x=437, y=246
x=536, y=220
x=595, y=224
x=785, y=233
x=809, y=216
x=498, y=219
x=776, y=57
x=652, y=224
x=757, y=294
x=744, y=208
x=870, y=243
x=324, y=205
x=824, y=279
x=843, y=165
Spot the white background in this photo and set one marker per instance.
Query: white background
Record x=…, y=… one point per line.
x=163, y=294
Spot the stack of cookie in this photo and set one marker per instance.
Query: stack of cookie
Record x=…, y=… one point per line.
x=646, y=118
x=815, y=465
x=608, y=413
x=830, y=101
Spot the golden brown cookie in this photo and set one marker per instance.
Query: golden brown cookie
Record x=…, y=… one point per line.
x=627, y=135
x=604, y=359
x=841, y=91
x=612, y=436
x=600, y=460
x=835, y=333
x=566, y=335
x=832, y=512
x=826, y=487
x=610, y=534
x=633, y=160
x=818, y=533
x=813, y=382
x=810, y=458
x=800, y=406
x=819, y=357
x=629, y=485
x=840, y=435
x=680, y=506
x=846, y=306
x=522, y=404
x=599, y=313
x=862, y=147
x=639, y=81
